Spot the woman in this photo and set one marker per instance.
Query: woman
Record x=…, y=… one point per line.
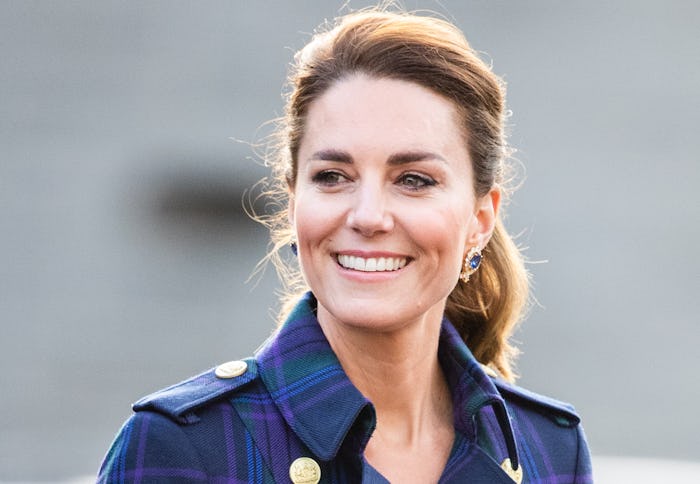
x=395, y=363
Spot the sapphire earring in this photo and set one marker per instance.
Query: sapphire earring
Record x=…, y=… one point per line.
x=471, y=263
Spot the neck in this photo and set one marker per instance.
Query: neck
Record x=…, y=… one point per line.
x=399, y=372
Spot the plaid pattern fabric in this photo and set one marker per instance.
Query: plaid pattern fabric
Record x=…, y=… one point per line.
x=296, y=401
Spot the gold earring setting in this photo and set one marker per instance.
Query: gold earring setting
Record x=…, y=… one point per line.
x=471, y=263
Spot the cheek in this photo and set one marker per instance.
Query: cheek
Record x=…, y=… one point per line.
x=314, y=221
x=444, y=230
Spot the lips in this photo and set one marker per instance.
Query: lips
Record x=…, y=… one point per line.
x=371, y=264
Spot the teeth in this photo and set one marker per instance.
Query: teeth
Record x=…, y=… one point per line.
x=373, y=264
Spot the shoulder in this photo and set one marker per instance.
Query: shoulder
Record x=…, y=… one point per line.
x=183, y=401
x=548, y=432
x=149, y=440
x=176, y=432
x=560, y=413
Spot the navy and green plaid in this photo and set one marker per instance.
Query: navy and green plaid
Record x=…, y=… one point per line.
x=295, y=400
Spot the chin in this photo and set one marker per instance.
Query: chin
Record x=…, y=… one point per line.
x=376, y=315
x=373, y=321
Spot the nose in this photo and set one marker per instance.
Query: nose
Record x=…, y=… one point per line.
x=368, y=214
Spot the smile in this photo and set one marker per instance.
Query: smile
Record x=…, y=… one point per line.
x=372, y=264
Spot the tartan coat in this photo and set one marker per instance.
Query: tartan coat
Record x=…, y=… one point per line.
x=251, y=423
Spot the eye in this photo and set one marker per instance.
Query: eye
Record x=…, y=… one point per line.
x=328, y=178
x=414, y=181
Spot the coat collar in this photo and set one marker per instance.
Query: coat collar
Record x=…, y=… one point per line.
x=307, y=383
x=321, y=405
x=472, y=389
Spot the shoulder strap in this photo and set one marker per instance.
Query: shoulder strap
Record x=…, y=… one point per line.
x=562, y=413
x=180, y=401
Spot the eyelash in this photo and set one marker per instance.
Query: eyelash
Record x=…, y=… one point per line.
x=330, y=178
x=423, y=181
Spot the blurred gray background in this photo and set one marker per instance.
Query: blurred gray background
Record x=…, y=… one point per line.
x=124, y=250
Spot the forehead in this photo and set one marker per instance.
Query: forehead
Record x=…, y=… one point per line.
x=361, y=112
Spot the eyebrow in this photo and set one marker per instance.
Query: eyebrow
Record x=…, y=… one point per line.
x=400, y=158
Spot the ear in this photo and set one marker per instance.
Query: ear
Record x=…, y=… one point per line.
x=290, y=208
x=484, y=220
x=290, y=202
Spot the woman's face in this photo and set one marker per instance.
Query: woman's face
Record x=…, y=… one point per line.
x=383, y=208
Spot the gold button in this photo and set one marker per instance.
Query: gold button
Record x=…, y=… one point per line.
x=515, y=474
x=305, y=470
x=231, y=369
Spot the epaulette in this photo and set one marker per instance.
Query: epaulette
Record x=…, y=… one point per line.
x=563, y=414
x=181, y=401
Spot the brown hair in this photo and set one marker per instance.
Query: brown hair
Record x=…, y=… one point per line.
x=434, y=54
